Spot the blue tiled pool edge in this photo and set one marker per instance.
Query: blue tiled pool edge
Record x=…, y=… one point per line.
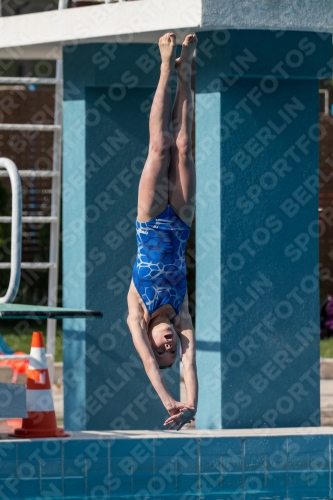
x=292, y=463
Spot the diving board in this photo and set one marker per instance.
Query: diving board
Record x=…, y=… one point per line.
x=13, y=396
x=18, y=311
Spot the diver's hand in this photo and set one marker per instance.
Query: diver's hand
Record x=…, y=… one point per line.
x=184, y=417
x=176, y=407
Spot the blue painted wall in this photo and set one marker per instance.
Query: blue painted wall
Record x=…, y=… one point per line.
x=257, y=318
x=108, y=93
x=257, y=247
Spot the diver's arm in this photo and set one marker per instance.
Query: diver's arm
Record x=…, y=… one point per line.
x=145, y=352
x=138, y=330
x=189, y=366
x=187, y=338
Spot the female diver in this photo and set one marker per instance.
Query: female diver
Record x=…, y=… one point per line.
x=157, y=297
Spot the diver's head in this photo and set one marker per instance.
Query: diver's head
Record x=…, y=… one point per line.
x=163, y=340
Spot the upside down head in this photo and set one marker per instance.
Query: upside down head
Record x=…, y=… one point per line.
x=163, y=340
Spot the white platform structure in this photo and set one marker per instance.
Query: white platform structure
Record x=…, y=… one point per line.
x=42, y=35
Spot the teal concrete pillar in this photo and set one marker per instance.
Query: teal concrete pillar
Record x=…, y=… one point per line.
x=108, y=90
x=257, y=290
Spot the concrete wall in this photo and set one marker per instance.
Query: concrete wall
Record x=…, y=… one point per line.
x=316, y=15
x=257, y=314
x=257, y=287
x=108, y=93
x=46, y=33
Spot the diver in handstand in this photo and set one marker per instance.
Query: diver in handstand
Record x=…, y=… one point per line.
x=157, y=297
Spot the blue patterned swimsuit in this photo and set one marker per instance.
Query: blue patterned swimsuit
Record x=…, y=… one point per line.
x=159, y=272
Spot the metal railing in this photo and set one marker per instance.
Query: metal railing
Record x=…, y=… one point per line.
x=53, y=218
x=16, y=239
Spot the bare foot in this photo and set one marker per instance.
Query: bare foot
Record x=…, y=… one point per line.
x=188, y=48
x=167, y=44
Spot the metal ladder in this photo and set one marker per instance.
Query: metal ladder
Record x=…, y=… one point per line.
x=55, y=175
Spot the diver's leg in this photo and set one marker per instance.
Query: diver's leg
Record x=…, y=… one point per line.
x=182, y=168
x=153, y=187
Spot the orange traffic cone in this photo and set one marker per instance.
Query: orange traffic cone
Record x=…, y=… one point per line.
x=41, y=420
